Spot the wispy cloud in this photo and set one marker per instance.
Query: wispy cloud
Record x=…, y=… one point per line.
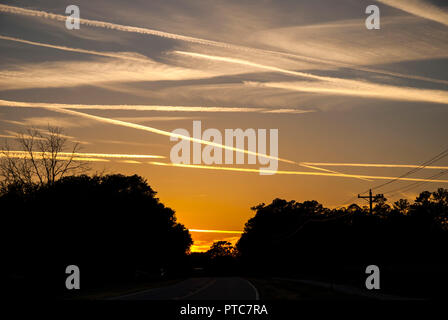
x=16, y=135
x=76, y=73
x=252, y=64
x=420, y=8
x=154, y=119
x=129, y=56
x=158, y=33
x=414, y=6
x=332, y=85
x=63, y=122
x=347, y=44
x=359, y=89
x=127, y=143
x=124, y=28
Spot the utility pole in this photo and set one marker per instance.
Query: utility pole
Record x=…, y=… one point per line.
x=371, y=198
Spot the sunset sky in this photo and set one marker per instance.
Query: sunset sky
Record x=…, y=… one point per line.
x=354, y=107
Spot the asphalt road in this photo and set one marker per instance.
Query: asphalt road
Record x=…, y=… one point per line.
x=222, y=288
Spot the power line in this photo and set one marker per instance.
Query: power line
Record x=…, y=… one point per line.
x=438, y=157
x=346, y=202
x=415, y=184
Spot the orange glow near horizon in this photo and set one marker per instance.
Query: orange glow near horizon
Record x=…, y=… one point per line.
x=215, y=231
x=202, y=244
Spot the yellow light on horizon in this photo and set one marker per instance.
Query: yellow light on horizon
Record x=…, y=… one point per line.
x=215, y=231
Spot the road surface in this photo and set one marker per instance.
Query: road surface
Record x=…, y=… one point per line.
x=222, y=288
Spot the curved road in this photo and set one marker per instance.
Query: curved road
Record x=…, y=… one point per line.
x=223, y=288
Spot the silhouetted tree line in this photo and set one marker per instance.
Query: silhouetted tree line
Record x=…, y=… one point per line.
x=408, y=241
x=222, y=258
x=111, y=226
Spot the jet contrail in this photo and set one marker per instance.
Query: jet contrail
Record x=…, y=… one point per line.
x=26, y=155
x=419, y=8
x=214, y=231
x=308, y=165
x=359, y=89
x=373, y=165
x=130, y=161
x=170, y=134
x=153, y=32
x=63, y=48
x=333, y=85
x=119, y=27
x=14, y=153
x=144, y=59
x=341, y=175
x=153, y=130
x=7, y=103
x=164, y=133
x=255, y=65
x=303, y=74
x=114, y=26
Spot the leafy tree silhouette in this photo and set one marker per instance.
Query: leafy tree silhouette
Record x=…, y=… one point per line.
x=220, y=249
x=111, y=226
x=402, y=206
x=221, y=258
x=292, y=238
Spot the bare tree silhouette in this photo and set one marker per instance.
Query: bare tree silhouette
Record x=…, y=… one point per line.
x=42, y=157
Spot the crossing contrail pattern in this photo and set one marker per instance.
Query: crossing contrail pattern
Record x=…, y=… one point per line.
x=341, y=175
x=119, y=27
x=162, y=132
x=157, y=131
x=373, y=165
x=324, y=172
x=140, y=30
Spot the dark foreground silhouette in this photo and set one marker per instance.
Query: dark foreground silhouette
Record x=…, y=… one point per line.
x=296, y=241
x=116, y=231
x=199, y=288
x=112, y=227
x=407, y=242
